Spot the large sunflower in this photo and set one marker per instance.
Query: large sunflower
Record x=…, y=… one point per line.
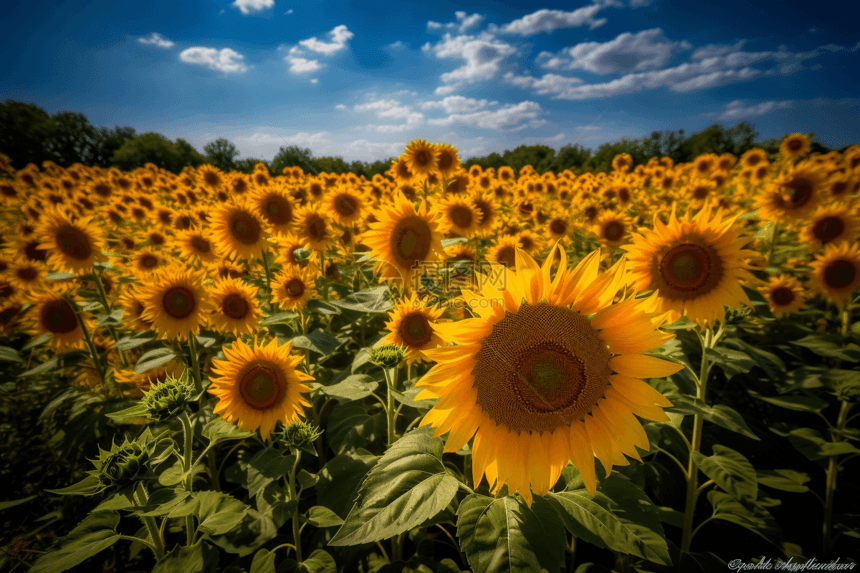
x=55, y=315
x=694, y=263
x=411, y=326
x=832, y=224
x=792, y=196
x=235, y=307
x=275, y=206
x=462, y=215
x=836, y=272
x=403, y=239
x=421, y=157
x=293, y=287
x=176, y=303
x=72, y=245
x=259, y=386
x=238, y=230
x=548, y=372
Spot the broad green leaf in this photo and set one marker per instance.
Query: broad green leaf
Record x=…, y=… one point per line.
x=318, y=341
x=353, y=387
x=793, y=402
x=42, y=368
x=754, y=518
x=220, y=430
x=135, y=340
x=59, y=276
x=730, y=419
x=374, y=300
x=340, y=478
x=278, y=318
x=318, y=306
x=759, y=303
x=167, y=500
x=10, y=354
x=136, y=411
x=120, y=500
x=731, y=471
x=94, y=534
x=785, y=480
x=264, y=562
x=454, y=241
x=408, y=486
x=731, y=362
x=767, y=361
x=504, y=534
x=37, y=342
x=218, y=512
x=307, y=480
x=319, y=561
x=273, y=500
x=320, y=516
x=256, y=470
x=830, y=346
x=351, y=426
x=90, y=485
x=198, y=558
x=810, y=443
x=153, y=359
x=252, y=531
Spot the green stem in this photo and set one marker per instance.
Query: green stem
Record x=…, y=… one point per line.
x=187, y=454
x=294, y=496
x=772, y=243
x=90, y=346
x=103, y=295
x=846, y=320
x=195, y=364
x=268, y=278
x=324, y=280
x=832, y=471
x=391, y=414
x=158, y=543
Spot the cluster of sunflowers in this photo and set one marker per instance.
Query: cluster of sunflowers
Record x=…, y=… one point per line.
x=542, y=364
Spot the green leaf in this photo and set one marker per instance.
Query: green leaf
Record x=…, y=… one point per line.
x=273, y=501
x=135, y=340
x=90, y=485
x=318, y=341
x=153, y=359
x=373, y=300
x=167, y=500
x=37, y=342
x=319, y=561
x=731, y=471
x=10, y=354
x=408, y=486
x=730, y=419
x=351, y=426
x=504, y=534
x=254, y=530
x=42, y=368
x=264, y=562
x=219, y=430
x=198, y=558
x=94, y=534
x=810, y=443
x=785, y=480
x=218, y=512
x=15, y=502
x=59, y=276
x=767, y=361
x=830, y=346
x=759, y=303
x=454, y=241
x=320, y=516
x=794, y=402
x=112, y=319
x=318, y=306
x=731, y=362
x=752, y=517
x=255, y=471
x=351, y=388
x=285, y=317
x=137, y=411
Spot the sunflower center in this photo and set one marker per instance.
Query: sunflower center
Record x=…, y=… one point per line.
x=149, y=261
x=507, y=256
x=295, y=288
x=278, y=210
x=58, y=317
x=260, y=387
x=801, y=189
x=691, y=270
x=235, y=306
x=410, y=241
x=613, y=231
x=200, y=245
x=316, y=228
x=461, y=216
x=178, y=302
x=245, y=228
x=422, y=158
x=700, y=192
x=211, y=178
x=828, y=228
x=795, y=145
x=558, y=227
x=540, y=368
x=839, y=274
x=782, y=296
x=345, y=205
x=27, y=274
x=415, y=330
x=74, y=243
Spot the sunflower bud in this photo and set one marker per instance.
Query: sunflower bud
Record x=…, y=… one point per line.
x=387, y=356
x=122, y=465
x=847, y=391
x=168, y=399
x=736, y=315
x=300, y=435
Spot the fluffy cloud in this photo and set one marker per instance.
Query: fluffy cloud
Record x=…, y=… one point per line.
x=391, y=109
x=156, y=39
x=627, y=53
x=225, y=60
x=508, y=118
x=457, y=104
x=339, y=37
x=464, y=23
x=737, y=109
x=483, y=56
x=299, y=64
x=713, y=50
x=550, y=20
x=252, y=6
x=340, y=106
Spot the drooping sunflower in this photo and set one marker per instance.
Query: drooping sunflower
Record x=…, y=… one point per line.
x=461, y=214
x=794, y=145
x=54, y=314
x=259, y=386
x=293, y=287
x=196, y=245
x=694, y=263
x=784, y=295
x=238, y=230
x=403, y=239
x=235, y=307
x=411, y=326
x=836, y=272
x=176, y=302
x=72, y=245
x=830, y=225
x=540, y=381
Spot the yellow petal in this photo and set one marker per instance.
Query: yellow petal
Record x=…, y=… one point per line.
x=642, y=366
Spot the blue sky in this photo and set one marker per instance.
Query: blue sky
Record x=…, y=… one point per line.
x=361, y=79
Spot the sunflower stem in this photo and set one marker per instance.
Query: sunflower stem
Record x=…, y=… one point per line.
x=830, y=487
x=195, y=364
x=268, y=272
x=294, y=496
x=772, y=243
x=187, y=454
x=141, y=498
x=846, y=320
x=91, y=347
x=322, y=270
x=391, y=413
x=103, y=296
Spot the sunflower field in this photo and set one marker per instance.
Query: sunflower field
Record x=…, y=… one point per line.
x=436, y=370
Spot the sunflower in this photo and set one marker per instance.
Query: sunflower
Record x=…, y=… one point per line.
x=399, y=171
x=238, y=230
x=176, y=302
x=461, y=214
x=236, y=309
x=276, y=207
x=529, y=242
x=146, y=262
x=404, y=239
x=27, y=276
x=792, y=196
x=784, y=295
x=548, y=372
x=753, y=157
x=293, y=287
x=411, y=326
x=72, y=245
x=285, y=250
x=622, y=162
x=830, y=225
x=314, y=228
x=197, y=246
x=447, y=159
x=794, y=145
x=612, y=229
x=504, y=251
x=486, y=206
x=346, y=205
x=54, y=314
x=695, y=264
x=259, y=386
x=421, y=157
x=133, y=308
x=836, y=272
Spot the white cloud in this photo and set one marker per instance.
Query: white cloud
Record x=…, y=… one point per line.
x=288, y=12
x=267, y=139
x=340, y=106
x=558, y=137
x=376, y=149
x=713, y=50
x=456, y=104
x=156, y=39
x=627, y=53
x=736, y=109
x=314, y=81
x=339, y=37
x=397, y=45
x=507, y=118
x=464, y=23
x=391, y=109
x=550, y=20
x=483, y=55
x=413, y=120
x=225, y=60
x=444, y=90
x=588, y=127
x=300, y=64
x=252, y=6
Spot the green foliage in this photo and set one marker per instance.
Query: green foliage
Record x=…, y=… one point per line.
x=221, y=153
x=156, y=149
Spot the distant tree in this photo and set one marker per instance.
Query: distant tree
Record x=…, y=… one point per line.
x=571, y=157
x=187, y=154
x=330, y=164
x=71, y=138
x=538, y=156
x=602, y=158
x=107, y=142
x=156, y=149
x=292, y=156
x=247, y=165
x=23, y=129
x=221, y=153
x=662, y=144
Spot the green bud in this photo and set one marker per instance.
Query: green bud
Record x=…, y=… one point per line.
x=387, y=356
x=122, y=465
x=168, y=399
x=300, y=435
x=736, y=315
x=847, y=391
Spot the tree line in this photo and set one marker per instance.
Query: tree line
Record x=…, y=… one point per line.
x=29, y=134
